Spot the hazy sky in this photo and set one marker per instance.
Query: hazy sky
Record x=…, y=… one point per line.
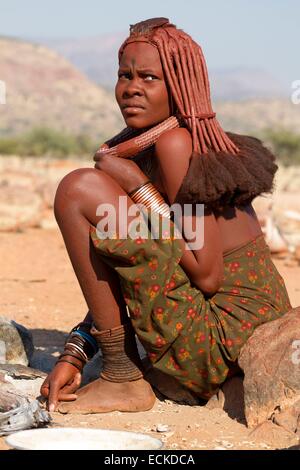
x=254, y=33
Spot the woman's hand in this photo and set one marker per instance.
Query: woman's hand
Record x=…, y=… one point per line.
x=126, y=172
x=61, y=384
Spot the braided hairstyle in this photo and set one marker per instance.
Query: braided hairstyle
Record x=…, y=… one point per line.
x=225, y=168
x=186, y=76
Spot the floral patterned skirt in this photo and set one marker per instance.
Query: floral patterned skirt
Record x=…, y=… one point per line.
x=194, y=339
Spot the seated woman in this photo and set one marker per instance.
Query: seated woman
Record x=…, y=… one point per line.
x=192, y=308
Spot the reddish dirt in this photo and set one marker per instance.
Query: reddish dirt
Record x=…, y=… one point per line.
x=40, y=291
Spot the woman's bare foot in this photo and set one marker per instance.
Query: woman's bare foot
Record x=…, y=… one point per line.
x=102, y=396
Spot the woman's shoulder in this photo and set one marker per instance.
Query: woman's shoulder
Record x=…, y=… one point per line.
x=176, y=141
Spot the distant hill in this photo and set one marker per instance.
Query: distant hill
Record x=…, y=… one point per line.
x=97, y=57
x=244, y=83
x=254, y=116
x=44, y=89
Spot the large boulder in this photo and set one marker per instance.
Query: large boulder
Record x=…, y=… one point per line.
x=271, y=363
x=16, y=345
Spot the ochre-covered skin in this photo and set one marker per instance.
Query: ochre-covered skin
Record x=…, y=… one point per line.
x=195, y=162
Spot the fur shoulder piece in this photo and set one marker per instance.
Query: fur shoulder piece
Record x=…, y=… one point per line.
x=219, y=179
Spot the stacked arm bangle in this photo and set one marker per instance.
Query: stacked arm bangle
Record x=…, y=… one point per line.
x=80, y=345
x=148, y=195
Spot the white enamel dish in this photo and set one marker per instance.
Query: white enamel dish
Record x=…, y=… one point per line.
x=81, y=439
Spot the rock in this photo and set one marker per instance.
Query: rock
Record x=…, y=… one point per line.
x=230, y=398
x=274, y=236
x=46, y=188
x=16, y=346
x=288, y=419
x=271, y=363
x=47, y=221
x=24, y=380
x=273, y=435
x=19, y=208
x=162, y=428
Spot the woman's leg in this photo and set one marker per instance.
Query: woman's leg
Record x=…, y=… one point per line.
x=77, y=198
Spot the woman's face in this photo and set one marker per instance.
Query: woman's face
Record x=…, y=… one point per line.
x=141, y=91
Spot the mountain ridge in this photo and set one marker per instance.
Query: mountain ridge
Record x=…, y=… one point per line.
x=45, y=90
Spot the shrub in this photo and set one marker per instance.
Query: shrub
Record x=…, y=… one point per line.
x=50, y=142
x=285, y=145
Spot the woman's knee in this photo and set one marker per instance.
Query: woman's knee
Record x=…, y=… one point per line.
x=76, y=186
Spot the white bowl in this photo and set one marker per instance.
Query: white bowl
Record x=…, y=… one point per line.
x=81, y=439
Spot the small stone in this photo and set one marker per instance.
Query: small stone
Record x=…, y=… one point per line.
x=162, y=428
x=226, y=444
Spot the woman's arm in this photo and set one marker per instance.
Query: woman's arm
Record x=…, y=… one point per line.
x=203, y=266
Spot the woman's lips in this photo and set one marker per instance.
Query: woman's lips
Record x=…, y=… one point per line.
x=132, y=109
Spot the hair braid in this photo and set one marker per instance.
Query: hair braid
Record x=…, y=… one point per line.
x=186, y=73
x=187, y=78
x=224, y=168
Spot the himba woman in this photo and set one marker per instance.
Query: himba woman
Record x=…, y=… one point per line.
x=192, y=309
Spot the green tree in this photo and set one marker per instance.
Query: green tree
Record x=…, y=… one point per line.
x=285, y=144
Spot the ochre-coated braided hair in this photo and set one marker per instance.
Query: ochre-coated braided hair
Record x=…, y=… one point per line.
x=225, y=168
x=186, y=75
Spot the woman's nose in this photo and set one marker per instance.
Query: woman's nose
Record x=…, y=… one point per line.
x=133, y=88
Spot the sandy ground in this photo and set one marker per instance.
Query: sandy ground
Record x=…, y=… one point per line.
x=40, y=291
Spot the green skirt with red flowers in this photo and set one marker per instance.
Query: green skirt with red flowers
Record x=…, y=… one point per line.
x=194, y=339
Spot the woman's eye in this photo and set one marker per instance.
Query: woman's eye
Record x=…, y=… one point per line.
x=128, y=76
x=149, y=78
x=124, y=75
